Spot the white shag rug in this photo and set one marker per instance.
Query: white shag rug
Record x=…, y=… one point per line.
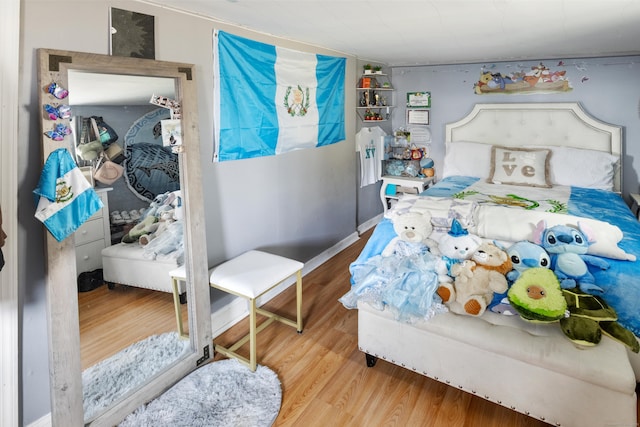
x=111, y=379
x=224, y=393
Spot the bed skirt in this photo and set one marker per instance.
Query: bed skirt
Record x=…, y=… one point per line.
x=532, y=369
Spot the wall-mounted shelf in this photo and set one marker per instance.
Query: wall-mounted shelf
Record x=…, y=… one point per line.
x=373, y=98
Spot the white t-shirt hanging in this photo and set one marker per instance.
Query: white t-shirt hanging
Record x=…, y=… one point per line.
x=369, y=143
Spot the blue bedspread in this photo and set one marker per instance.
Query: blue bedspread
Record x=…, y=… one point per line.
x=621, y=282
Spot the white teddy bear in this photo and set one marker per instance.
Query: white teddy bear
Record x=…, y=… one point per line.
x=413, y=230
x=454, y=247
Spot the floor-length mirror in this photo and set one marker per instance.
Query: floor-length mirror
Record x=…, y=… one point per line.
x=131, y=127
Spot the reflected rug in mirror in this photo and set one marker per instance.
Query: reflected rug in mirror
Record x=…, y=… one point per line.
x=109, y=380
x=223, y=393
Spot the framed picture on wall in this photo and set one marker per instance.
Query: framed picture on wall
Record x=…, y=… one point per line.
x=419, y=99
x=417, y=117
x=132, y=34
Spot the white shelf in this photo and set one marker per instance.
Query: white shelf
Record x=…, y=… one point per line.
x=375, y=88
x=418, y=183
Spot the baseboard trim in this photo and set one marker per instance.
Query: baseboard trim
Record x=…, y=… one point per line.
x=44, y=421
x=235, y=311
x=367, y=225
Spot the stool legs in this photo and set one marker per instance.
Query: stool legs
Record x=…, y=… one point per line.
x=253, y=334
x=254, y=310
x=176, y=303
x=299, y=301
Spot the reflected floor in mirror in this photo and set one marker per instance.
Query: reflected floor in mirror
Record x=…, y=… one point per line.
x=112, y=319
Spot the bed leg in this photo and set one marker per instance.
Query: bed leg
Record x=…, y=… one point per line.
x=371, y=360
x=111, y=285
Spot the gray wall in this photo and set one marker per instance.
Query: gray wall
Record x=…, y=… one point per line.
x=607, y=88
x=297, y=204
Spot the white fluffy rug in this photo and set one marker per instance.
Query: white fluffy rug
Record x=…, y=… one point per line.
x=113, y=378
x=224, y=393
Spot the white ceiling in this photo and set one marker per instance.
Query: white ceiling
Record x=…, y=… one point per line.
x=428, y=32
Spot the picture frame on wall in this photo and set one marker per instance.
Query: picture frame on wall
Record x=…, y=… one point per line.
x=132, y=34
x=419, y=99
x=417, y=117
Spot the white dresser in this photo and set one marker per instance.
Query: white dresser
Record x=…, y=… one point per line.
x=93, y=236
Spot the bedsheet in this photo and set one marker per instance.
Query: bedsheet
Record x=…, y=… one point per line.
x=621, y=282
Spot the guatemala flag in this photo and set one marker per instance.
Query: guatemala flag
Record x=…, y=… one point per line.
x=67, y=199
x=269, y=100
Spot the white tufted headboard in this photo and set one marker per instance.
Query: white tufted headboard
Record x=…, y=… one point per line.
x=561, y=124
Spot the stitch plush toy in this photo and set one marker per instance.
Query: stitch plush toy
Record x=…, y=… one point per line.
x=476, y=281
x=413, y=230
x=523, y=255
x=454, y=247
x=568, y=249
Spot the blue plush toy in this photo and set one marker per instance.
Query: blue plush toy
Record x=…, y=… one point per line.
x=568, y=248
x=523, y=255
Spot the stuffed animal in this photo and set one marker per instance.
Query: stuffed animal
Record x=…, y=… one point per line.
x=524, y=255
x=147, y=225
x=537, y=297
x=90, y=150
x=568, y=248
x=454, y=247
x=170, y=241
x=590, y=317
x=413, y=230
x=161, y=203
x=476, y=280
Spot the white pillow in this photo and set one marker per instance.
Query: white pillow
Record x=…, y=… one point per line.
x=582, y=168
x=520, y=166
x=465, y=158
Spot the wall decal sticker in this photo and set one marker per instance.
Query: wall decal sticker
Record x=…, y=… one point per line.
x=538, y=79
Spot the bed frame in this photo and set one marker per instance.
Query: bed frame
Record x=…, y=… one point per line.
x=529, y=368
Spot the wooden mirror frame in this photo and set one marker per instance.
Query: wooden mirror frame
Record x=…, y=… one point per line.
x=62, y=299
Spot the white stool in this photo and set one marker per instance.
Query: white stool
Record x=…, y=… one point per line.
x=250, y=276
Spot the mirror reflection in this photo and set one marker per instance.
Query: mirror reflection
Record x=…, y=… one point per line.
x=124, y=141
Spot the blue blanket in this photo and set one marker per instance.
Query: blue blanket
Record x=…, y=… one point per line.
x=621, y=282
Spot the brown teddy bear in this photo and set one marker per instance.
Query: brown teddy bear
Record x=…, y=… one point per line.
x=476, y=280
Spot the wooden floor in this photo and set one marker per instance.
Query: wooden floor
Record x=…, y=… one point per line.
x=113, y=319
x=325, y=380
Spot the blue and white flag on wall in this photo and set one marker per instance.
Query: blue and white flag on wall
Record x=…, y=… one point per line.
x=269, y=100
x=65, y=199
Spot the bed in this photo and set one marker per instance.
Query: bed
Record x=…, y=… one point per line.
x=531, y=368
x=151, y=249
